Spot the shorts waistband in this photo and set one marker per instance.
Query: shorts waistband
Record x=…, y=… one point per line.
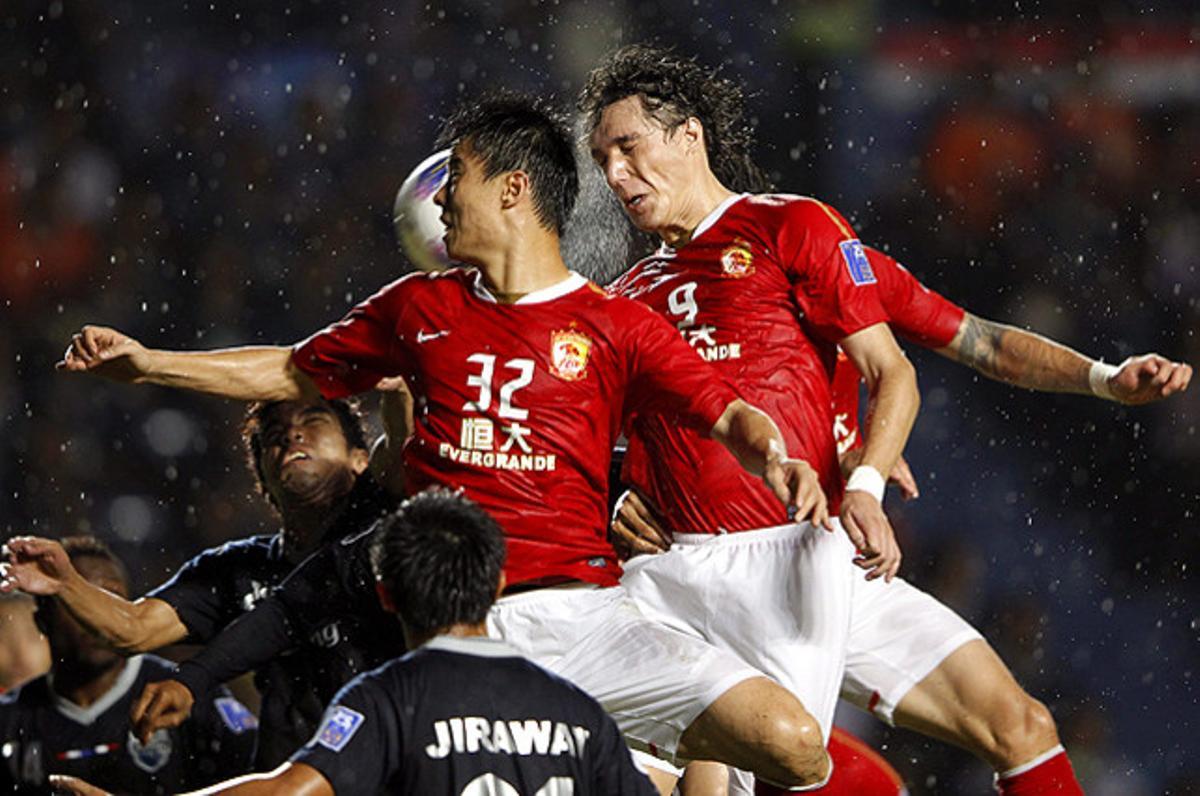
x=744, y=537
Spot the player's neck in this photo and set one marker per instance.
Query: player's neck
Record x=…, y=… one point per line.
x=83, y=685
x=525, y=264
x=458, y=631
x=705, y=196
x=305, y=524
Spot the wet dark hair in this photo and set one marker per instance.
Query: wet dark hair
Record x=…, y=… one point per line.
x=439, y=556
x=347, y=411
x=673, y=88
x=80, y=547
x=518, y=132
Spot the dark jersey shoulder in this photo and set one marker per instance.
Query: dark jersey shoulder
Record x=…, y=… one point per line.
x=221, y=583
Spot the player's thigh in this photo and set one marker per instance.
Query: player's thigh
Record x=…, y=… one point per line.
x=778, y=598
x=653, y=680
x=972, y=700
x=705, y=778
x=898, y=636
x=663, y=775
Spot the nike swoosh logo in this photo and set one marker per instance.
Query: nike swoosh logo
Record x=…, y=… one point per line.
x=425, y=337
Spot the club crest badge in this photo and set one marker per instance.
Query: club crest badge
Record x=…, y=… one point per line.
x=569, y=352
x=153, y=756
x=737, y=260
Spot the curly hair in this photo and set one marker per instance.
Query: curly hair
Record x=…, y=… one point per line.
x=673, y=88
x=510, y=131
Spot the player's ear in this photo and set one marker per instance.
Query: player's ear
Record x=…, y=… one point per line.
x=501, y=584
x=516, y=187
x=385, y=597
x=359, y=460
x=693, y=133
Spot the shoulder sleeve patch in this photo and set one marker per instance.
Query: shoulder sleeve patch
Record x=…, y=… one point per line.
x=857, y=263
x=237, y=717
x=339, y=727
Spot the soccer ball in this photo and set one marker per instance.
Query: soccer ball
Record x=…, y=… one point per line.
x=417, y=219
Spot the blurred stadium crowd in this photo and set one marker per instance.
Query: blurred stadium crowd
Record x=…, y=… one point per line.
x=208, y=174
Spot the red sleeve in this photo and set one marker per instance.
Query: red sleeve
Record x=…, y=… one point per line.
x=668, y=376
x=352, y=355
x=914, y=311
x=834, y=285
x=846, y=392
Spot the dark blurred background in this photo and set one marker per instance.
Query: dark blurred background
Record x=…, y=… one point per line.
x=205, y=174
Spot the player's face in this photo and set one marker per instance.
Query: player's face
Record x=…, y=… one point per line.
x=71, y=644
x=305, y=456
x=470, y=207
x=645, y=165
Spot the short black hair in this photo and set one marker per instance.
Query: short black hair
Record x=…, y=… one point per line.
x=80, y=547
x=439, y=556
x=347, y=411
x=673, y=88
x=510, y=131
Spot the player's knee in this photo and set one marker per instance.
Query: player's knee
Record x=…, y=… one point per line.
x=798, y=749
x=1024, y=729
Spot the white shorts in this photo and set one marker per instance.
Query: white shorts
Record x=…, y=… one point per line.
x=778, y=598
x=652, y=680
x=898, y=635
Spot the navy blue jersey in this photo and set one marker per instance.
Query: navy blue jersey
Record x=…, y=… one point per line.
x=223, y=583
x=325, y=610
x=469, y=715
x=46, y=734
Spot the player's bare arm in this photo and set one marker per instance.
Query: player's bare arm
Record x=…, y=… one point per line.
x=293, y=779
x=635, y=527
x=1029, y=360
x=754, y=439
x=249, y=373
x=396, y=412
x=41, y=567
x=893, y=403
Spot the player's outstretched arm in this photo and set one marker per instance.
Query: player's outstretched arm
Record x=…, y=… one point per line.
x=1029, y=360
x=249, y=642
x=290, y=779
x=42, y=567
x=248, y=373
x=754, y=439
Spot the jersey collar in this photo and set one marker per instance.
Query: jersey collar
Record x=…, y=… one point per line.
x=569, y=285
x=482, y=646
x=88, y=715
x=710, y=219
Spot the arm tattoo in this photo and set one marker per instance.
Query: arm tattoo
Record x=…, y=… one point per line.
x=979, y=346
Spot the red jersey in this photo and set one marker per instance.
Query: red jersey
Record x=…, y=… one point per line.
x=519, y=404
x=914, y=312
x=765, y=289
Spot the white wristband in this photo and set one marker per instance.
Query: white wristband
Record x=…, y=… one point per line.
x=1098, y=378
x=867, y=479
